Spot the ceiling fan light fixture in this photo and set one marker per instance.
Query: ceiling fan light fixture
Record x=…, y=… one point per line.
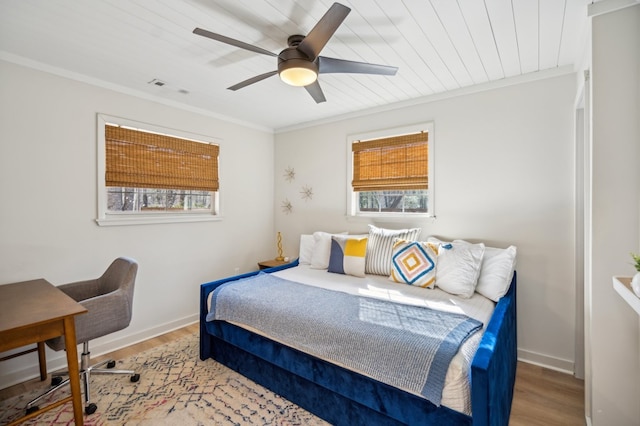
x=298, y=72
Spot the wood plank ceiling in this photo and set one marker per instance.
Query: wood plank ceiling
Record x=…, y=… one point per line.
x=438, y=45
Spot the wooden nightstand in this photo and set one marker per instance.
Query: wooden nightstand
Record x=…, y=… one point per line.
x=272, y=263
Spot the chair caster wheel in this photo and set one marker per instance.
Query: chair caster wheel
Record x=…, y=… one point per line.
x=91, y=408
x=32, y=409
x=135, y=377
x=55, y=381
x=111, y=364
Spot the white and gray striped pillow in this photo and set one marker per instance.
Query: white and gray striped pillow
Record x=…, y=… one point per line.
x=380, y=247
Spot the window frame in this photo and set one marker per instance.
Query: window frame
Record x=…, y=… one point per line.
x=353, y=211
x=109, y=218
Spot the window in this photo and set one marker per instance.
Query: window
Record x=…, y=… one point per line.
x=392, y=173
x=152, y=175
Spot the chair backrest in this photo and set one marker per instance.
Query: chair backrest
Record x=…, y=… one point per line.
x=108, y=299
x=120, y=275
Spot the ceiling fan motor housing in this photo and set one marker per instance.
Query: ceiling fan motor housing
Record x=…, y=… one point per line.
x=294, y=40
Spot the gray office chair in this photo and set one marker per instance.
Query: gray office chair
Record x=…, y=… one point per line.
x=109, y=301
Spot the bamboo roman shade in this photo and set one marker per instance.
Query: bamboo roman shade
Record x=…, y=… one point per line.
x=138, y=159
x=394, y=163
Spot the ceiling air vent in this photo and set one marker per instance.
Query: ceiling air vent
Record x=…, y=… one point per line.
x=157, y=82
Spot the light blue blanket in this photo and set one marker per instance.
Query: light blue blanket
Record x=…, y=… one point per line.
x=408, y=347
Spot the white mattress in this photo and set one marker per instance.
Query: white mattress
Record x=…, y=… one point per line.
x=457, y=389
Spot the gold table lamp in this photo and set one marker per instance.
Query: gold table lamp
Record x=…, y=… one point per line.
x=280, y=257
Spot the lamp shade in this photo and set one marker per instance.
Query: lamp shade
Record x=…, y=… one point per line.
x=298, y=76
x=297, y=72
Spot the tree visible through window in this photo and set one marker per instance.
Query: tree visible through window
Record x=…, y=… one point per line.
x=393, y=201
x=122, y=199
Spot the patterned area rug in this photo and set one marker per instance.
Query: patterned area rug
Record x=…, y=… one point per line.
x=175, y=388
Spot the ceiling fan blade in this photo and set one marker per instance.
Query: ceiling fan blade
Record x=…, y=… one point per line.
x=323, y=30
x=252, y=80
x=232, y=42
x=333, y=65
x=315, y=91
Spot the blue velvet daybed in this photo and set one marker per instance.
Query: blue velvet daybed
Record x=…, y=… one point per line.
x=343, y=397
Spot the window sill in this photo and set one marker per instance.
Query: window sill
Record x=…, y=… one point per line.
x=126, y=220
x=391, y=218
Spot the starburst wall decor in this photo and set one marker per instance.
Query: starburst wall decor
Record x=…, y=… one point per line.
x=289, y=174
x=287, y=207
x=306, y=193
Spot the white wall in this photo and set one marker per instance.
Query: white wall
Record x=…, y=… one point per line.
x=48, y=186
x=504, y=175
x=615, y=214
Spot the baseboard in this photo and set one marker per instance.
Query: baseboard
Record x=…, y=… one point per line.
x=104, y=347
x=553, y=363
x=29, y=369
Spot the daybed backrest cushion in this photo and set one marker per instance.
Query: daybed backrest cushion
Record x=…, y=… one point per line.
x=348, y=255
x=306, y=249
x=459, y=264
x=414, y=263
x=321, y=249
x=380, y=247
x=496, y=272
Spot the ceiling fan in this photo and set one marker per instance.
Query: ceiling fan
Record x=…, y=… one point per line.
x=300, y=63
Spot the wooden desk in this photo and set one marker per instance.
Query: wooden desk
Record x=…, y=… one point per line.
x=34, y=311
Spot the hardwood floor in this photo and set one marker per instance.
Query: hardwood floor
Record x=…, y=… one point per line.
x=542, y=397
x=545, y=397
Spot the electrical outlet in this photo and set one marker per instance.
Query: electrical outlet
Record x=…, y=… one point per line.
x=236, y=270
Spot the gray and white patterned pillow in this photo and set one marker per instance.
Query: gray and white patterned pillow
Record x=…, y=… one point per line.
x=380, y=247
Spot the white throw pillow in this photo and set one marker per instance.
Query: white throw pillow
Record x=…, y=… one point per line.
x=497, y=272
x=458, y=267
x=306, y=249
